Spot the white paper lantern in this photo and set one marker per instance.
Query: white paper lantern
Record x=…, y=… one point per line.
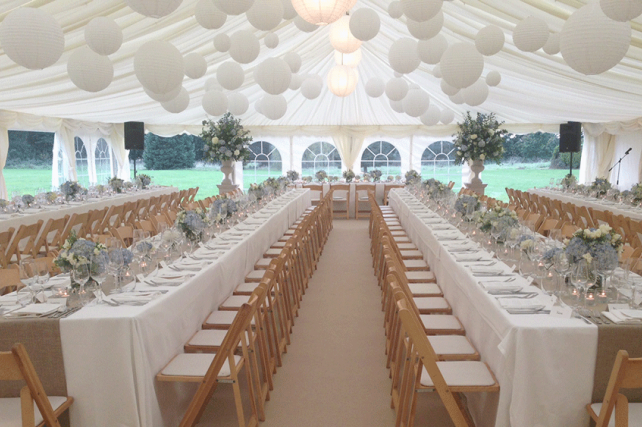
x=103, y=35
x=273, y=76
x=621, y=10
x=237, y=103
x=448, y=89
x=209, y=16
x=493, y=78
x=431, y=116
x=154, y=8
x=490, y=40
x=403, y=56
x=32, y=38
x=430, y=51
x=304, y=25
x=375, y=87
x=195, y=65
x=530, y=34
x=274, y=106
x=230, y=75
x=234, y=7
x=215, y=103
x=552, y=46
x=396, y=89
x=416, y=102
x=447, y=116
x=457, y=98
x=245, y=47
x=426, y=30
x=461, y=65
x=295, y=83
x=271, y=40
x=365, y=24
x=159, y=66
x=350, y=59
x=265, y=15
x=412, y=86
x=257, y=106
x=437, y=71
x=394, y=9
x=89, y=71
x=212, y=84
x=311, y=88
x=476, y=93
x=591, y=42
x=322, y=12
x=178, y=104
x=397, y=106
x=342, y=80
x=289, y=12
x=293, y=60
x=341, y=38
x=397, y=75
x=163, y=97
x=222, y=42
x=421, y=10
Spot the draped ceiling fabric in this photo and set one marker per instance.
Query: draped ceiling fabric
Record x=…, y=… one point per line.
x=537, y=91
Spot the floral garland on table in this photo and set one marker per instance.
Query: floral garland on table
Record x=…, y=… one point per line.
x=636, y=192
x=292, y=175
x=256, y=190
x=307, y=179
x=499, y=216
x=463, y=201
x=602, y=245
x=143, y=180
x=601, y=186
x=333, y=178
x=348, y=175
x=76, y=251
x=412, y=177
x=28, y=200
x=272, y=183
x=390, y=178
x=224, y=207
x=569, y=181
x=116, y=184
x=321, y=175
x=225, y=140
x=375, y=174
x=192, y=223
x=70, y=189
x=479, y=139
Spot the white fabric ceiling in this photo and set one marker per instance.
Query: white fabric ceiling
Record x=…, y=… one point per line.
x=535, y=87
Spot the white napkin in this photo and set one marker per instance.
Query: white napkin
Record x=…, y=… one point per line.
x=9, y=299
x=619, y=316
x=521, y=304
x=34, y=310
x=164, y=281
x=443, y=226
x=479, y=256
x=137, y=298
x=483, y=270
x=501, y=287
x=448, y=235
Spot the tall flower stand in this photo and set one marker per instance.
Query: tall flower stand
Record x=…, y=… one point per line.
x=476, y=184
x=227, y=167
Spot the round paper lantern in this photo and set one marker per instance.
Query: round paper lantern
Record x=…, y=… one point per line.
x=103, y=35
x=530, y=34
x=304, y=25
x=209, y=16
x=621, y=10
x=394, y=9
x=230, y=75
x=447, y=116
x=215, y=103
x=265, y=15
x=274, y=106
x=416, y=102
x=412, y=86
x=375, y=87
x=341, y=38
x=461, y=65
x=431, y=116
x=490, y=40
x=293, y=60
x=212, y=84
x=32, y=38
x=89, y=71
x=397, y=75
x=245, y=47
x=396, y=89
x=234, y=7
x=289, y=12
x=195, y=65
x=457, y=98
x=403, y=56
x=493, y=78
x=159, y=66
x=397, y=106
x=437, y=71
x=350, y=59
x=296, y=81
x=421, y=10
x=271, y=40
x=311, y=88
x=257, y=106
x=448, y=89
x=178, y=104
x=237, y=103
x=154, y=8
x=273, y=76
x=163, y=97
x=552, y=46
x=427, y=29
x=322, y=12
x=430, y=51
x=365, y=24
x=476, y=93
x=591, y=42
x=342, y=80
x=222, y=42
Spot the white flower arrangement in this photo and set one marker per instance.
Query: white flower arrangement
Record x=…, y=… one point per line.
x=225, y=140
x=479, y=139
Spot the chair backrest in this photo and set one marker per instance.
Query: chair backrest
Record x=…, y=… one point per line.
x=9, y=280
x=125, y=234
x=316, y=191
x=78, y=223
x=386, y=190
x=23, y=241
x=95, y=220
x=5, y=239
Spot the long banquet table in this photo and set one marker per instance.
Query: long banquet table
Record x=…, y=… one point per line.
x=544, y=364
x=112, y=354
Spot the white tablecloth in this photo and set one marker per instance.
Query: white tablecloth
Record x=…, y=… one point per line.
x=60, y=211
x=544, y=364
x=378, y=187
x=601, y=205
x=112, y=354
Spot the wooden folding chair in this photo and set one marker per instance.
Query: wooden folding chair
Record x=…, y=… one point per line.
x=77, y=223
x=95, y=220
x=316, y=192
x=124, y=233
x=341, y=194
x=386, y=190
x=23, y=242
x=9, y=280
x=361, y=192
x=5, y=239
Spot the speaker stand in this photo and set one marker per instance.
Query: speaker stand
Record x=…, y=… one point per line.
x=134, y=169
x=570, y=172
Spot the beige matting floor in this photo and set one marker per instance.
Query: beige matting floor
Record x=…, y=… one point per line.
x=334, y=373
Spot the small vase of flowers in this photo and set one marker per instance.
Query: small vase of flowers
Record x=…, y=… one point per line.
x=348, y=175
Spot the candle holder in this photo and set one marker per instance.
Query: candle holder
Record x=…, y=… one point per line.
x=590, y=298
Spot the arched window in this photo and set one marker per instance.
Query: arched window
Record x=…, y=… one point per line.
x=381, y=155
x=438, y=161
x=103, y=161
x=265, y=161
x=82, y=164
x=321, y=156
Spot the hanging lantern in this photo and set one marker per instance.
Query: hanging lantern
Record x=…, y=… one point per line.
x=493, y=78
x=530, y=34
x=271, y=40
x=396, y=89
x=222, y=42
x=621, y=10
x=322, y=12
x=234, y=7
x=295, y=83
x=288, y=10
x=212, y=84
x=244, y=47
x=178, y=104
x=375, y=87
x=448, y=89
x=350, y=59
x=215, y=103
x=237, y=103
x=431, y=116
x=265, y=15
x=341, y=38
x=427, y=29
x=403, y=57
x=437, y=71
x=159, y=66
x=209, y=16
x=311, y=87
x=230, y=75
x=293, y=60
x=342, y=80
x=154, y=8
x=421, y=10
x=365, y=24
x=273, y=106
x=416, y=102
x=90, y=71
x=304, y=25
x=447, y=116
x=430, y=51
x=273, y=76
x=457, y=98
x=476, y=93
x=490, y=40
x=397, y=106
x=394, y=9
x=195, y=65
x=552, y=46
x=103, y=35
x=461, y=65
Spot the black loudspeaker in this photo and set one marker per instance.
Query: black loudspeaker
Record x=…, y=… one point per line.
x=134, y=136
x=570, y=137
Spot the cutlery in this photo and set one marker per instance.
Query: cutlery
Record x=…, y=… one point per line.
x=538, y=311
x=523, y=295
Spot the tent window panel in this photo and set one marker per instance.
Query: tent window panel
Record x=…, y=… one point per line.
x=438, y=161
x=264, y=162
x=103, y=159
x=381, y=155
x=321, y=156
x=82, y=162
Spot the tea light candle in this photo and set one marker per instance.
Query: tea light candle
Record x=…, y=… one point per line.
x=590, y=298
x=602, y=297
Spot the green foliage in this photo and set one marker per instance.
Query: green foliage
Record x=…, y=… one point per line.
x=176, y=152
x=562, y=160
x=530, y=147
x=480, y=138
x=135, y=154
x=225, y=140
x=30, y=149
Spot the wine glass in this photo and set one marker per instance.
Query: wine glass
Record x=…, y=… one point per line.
x=496, y=232
x=562, y=265
x=581, y=279
x=99, y=273
x=80, y=274
x=28, y=277
x=116, y=263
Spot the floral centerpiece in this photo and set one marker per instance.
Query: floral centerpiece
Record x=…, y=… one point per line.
x=412, y=177
x=569, y=181
x=367, y=177
x=636, y=193
x=601, y=186
x=28, y=200
x=390, y=178
x=321, y=175
x=116, y=184
x=143, y=180
x=526, y=242
x=307, y=179
x=348, y=175
x=3, y=203
x=375, y=174
x=256, y=190
x=225, y=140
x=224, y=207
x=479, y=139
x=333, y=178
x=272, y=183
x=192, y=223
x=292, y=175
x=283, y=182
x=599, y=245
x=500, y=217
x=100, y=189
x=464, y=201
x=70, y=189
x=77, y=251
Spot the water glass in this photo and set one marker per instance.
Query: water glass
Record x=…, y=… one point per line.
x=99, y=273
x=29, y=275
x=636, y=296
x=80, y=275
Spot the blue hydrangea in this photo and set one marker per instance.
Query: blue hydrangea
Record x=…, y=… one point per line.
x=550, y=254
x=83, y=248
